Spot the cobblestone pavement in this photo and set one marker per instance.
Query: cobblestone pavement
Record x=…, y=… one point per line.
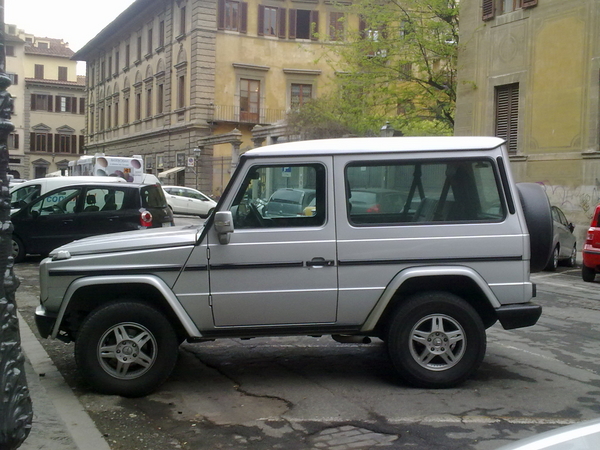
x=351, y=438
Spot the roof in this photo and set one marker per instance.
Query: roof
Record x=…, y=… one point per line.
x=124, y=19
x=56, y=47
x=70, y=84
x=377, y=145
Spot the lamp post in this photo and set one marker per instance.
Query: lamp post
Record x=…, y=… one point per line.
x=387, y=130
x=197, y=152
x=15, y=403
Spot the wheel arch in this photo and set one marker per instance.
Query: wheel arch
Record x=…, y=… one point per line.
x=461, y=281
x=85, y=294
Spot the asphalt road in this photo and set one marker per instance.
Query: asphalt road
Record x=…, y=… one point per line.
x=314, y=393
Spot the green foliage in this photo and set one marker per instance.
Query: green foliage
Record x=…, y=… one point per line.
x=400, y=66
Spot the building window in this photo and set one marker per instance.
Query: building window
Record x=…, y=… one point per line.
x=109, y=117
x=41, y=102
x=43, y=45
x=138, y=106
x=102, y=119
x=507, y=114
x=159, y=98
x=13, y=141
x=14, y=78
x=233, y=16
x=41, y=142
x=161, y=34
x=150, y=41
x=336, y=26
x=149, y=102
x=126, y=111
x=40, y=171
x=127, y=53
x=117, y=55
x=65, y=104
x=82, y=105
x=491, y=8
x=303, y=24
x=102, y=71
x=109, y=66
x=249, y=100
x=269, y=21
x=116, y=114
x=139, y=48
x=182, y=19
x=10, y=50
x=39, y=71
x=301, y=93
x=181, y=91
x=66, y=143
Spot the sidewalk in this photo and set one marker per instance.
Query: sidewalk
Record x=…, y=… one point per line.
x=59, y=421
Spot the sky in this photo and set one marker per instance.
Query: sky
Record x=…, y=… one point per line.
x=74, y=21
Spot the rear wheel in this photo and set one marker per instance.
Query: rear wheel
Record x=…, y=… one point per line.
x=588, y=274
x=436, y=340
x=572, y=258
x=126, y=348
x=18, y=250
x=553, y=261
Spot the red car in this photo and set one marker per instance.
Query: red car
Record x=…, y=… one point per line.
x=591, y=249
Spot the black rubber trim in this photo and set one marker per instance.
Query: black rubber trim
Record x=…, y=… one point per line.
x=368, y=262
x=272, y=265
x=280, y=330
x=518, y=316
x=115, y=271
x=505, y=185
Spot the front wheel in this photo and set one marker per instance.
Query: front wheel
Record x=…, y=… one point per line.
x=18, y=249
x=436, y=340
x=126, y=348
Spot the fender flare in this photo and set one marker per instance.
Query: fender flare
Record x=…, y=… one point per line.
x=186, y=322
x=425, y=271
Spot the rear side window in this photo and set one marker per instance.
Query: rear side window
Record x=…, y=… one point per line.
x=153, y=197
x=423, y=192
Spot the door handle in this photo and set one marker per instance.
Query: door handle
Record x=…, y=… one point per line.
x=320, y=262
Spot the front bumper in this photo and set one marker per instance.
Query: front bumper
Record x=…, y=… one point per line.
x=45, y=322
x=518, y=316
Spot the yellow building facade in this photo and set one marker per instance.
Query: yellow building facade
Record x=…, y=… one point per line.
x=529, y=71
x=189, y=84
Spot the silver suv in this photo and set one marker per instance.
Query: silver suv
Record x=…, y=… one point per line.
x=426, y=273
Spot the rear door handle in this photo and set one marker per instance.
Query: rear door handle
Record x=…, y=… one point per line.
x=320, y=262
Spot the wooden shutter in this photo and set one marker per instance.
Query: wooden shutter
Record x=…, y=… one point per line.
x=314, y=18
x=529, y=3
x=73, y=144
x=49, y=143
x=220, y=16
x=82, y=105
x=292, y=24
x=281, y=15
x=261, y=20
x=57, y=142
x=33, y=102
x=489, y=9
x=81, y=143
x=74, y=105
x=49, y=103
x=243, y=17
x=57, y=103
x=507, y=114
x=32, y=142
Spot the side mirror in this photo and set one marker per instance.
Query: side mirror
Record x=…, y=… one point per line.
x=571, y=227
x=223, y=223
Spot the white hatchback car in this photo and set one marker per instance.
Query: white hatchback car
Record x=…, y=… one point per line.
x=184, y=200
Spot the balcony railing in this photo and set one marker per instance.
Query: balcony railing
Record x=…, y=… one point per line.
x=228, y=113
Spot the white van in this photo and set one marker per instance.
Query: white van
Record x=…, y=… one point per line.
x=24, y=193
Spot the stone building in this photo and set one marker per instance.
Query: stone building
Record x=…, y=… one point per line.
x=529, y=71
x=166, y=78
x=49, y=104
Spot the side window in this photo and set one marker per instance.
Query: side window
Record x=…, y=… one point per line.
x=281, y=196
x=59, y=202
x=24, y=195
x=104, y=199
x=424, y=192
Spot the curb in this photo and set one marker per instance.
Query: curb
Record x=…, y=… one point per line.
x=59, y=420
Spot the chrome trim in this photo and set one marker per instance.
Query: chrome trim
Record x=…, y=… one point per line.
x=159, y=284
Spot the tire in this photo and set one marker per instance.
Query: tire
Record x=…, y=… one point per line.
x=18, y=249
x=437, y=318
x=538, y=217
x=572, y=261
x=588, y=274
x=553, y=261
x=122, y=327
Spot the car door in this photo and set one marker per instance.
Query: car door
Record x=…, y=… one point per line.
x=50, y=221
x=176, y=200
x=276, y=270
x=565, y=233
x=105, y=211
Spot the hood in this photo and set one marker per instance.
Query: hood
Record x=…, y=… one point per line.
x=132, y=240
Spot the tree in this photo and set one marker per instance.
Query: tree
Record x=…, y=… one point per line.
x=399, y=65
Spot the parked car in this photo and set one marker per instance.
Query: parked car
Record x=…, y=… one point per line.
x=591, y=249
x=185, y=200
x=24, y=193
x=429, y=283
x=564, y=242
x=86, y=209
x=579, y=436
x=376, y=201
x=288, y=202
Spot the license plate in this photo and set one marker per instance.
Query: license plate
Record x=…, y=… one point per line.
x=166, y=224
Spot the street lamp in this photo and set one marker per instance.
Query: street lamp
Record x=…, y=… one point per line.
x=197, y=152
x=387, y=130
